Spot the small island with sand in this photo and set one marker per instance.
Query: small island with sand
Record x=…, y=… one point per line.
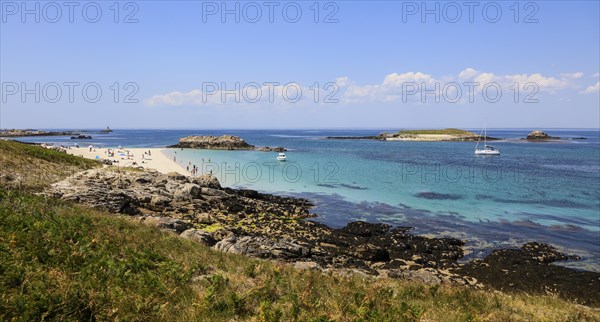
x=440, y=135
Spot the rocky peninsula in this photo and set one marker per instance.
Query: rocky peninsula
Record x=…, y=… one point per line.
x=32, y=132
x=224, y=142
x=265, y=226
x=445, y=135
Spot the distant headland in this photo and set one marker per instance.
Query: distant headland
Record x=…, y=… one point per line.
x=443, y=135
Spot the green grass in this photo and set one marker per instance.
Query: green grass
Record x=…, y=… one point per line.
x=30, y=167
x=444, y=131
x=60, y=261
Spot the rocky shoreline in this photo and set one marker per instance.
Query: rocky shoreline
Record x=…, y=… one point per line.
x=31, y=132
x=224, y=142
x=265, y=226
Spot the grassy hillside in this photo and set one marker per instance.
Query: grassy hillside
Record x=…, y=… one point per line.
x=444, y=131
x=32, y=168
x=61, y=261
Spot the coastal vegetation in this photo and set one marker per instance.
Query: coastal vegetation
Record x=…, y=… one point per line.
x=30, y=167
x=449, y=131
x=65, y=261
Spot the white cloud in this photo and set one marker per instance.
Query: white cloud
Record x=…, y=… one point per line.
x=467, y=74
x=592, y=89
x=572, y=75
x=391, y=89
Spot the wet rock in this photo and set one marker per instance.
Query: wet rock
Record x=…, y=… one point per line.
x=370, y=253
x=364, y=229
x=529, y=269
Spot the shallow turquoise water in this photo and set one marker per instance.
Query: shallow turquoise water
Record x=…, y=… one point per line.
x=533, y=191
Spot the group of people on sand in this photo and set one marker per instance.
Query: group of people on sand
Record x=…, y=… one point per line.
x=194, y=170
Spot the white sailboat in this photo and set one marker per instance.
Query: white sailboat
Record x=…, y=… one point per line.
x=281, y=157
x=487, y=149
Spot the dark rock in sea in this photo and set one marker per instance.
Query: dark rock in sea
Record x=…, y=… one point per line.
x=81, y=137
x=529, y=269
x=437, y=196
x=364, y=229
x=540, y=135
x=268, y=149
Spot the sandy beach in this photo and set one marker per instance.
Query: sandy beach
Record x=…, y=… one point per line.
x=155, y=159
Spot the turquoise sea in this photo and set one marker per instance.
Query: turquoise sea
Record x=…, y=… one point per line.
x=547, y=192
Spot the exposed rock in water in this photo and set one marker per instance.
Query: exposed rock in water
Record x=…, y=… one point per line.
x=81, y=137
x=364, y=229
x=540, y=135
x=224, y=142
x=268, y=149
x=529, y=269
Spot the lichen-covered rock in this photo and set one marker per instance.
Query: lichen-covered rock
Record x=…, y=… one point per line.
x=174, y=225
x=200, y=236
x=262, y=247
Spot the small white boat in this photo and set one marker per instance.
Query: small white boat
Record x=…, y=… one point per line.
x=487, y=149
x=281, y=157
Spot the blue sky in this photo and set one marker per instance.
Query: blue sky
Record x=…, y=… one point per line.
x=371, y=54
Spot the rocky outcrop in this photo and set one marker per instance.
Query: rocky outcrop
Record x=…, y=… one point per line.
x=199, y=236
x=262, y=247
x=540, y=135
x=268, y=149
x=529, y=269
x=81, y=137
x=224, y=142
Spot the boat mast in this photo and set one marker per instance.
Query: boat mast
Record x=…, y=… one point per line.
x=484, y=134
x=479, y=139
